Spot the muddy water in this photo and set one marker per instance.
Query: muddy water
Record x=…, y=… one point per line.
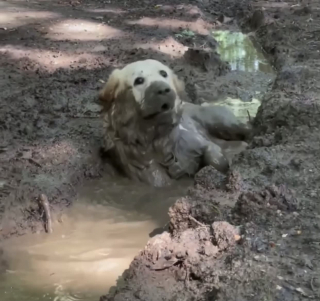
x=91, y=246
x=239, y=50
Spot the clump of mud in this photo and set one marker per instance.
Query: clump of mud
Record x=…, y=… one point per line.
x=206, y=60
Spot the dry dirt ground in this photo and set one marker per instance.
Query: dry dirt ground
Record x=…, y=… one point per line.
x=54, y=55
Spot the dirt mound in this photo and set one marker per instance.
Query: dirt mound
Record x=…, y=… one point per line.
x=195, y=257
x=204, y=254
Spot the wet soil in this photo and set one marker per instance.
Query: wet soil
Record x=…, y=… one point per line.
x=266, y=244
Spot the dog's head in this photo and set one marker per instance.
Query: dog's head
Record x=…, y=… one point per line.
x=154, y=87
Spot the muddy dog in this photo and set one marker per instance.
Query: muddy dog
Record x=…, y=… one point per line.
x=154, y=136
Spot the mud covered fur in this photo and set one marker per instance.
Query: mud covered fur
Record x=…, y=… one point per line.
x=155, y=136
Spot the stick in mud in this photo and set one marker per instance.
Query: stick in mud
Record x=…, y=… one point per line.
x=249, y=117
x=197, y=222
x=43, y=201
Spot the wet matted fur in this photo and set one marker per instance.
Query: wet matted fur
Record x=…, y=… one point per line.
x=153, y=136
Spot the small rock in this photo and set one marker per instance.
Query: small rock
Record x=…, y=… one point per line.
x=26, y=155
x=99, y=18
x=256, y=258
x=237, y=237
x=272, y=244
x=224, y=19
x=302, y=11
x=167, y=255
x=224, y=235
x=179, y=255
x=259, y=245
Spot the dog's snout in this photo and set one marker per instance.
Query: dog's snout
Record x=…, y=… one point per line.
x=164, y=91
x=160, y=88
x=159, y=98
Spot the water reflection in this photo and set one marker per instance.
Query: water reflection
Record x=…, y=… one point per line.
x=96, y=241
x=239, y=51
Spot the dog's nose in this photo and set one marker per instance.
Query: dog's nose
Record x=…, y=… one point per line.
x=163, y=91
x=159, y=97
x=160, y=88
x=165, y=107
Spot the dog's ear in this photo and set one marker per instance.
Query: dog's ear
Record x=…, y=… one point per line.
x=110, y=90
x=179, y=85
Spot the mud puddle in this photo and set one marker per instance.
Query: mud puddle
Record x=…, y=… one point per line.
x=91, y=246
x=250, y=76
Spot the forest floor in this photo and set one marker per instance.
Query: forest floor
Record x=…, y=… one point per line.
x=54, y=58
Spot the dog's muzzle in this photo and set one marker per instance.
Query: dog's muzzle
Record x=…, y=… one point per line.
x=159, y=98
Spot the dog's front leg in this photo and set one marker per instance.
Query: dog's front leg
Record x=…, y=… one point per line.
x=214, y=156
x=219, y=122
x=176, y=171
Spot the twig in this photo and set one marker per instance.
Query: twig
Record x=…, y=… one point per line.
x=197, y=222
x=35, y=162
x=186, y=279
x=249, y=116
x=216, y=209
x=311, y=284
x=79, y=116
x=166, y=265
x=3, y=149
x=43, y=200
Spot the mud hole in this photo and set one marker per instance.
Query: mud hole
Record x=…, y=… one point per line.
x=93, y=242
x=253, y=235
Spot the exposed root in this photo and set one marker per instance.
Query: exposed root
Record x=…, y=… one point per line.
x=197, y=222
x=186, y=279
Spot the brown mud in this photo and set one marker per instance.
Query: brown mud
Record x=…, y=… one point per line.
x=263, y=245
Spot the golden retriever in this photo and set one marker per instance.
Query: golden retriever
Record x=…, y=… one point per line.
x=154, y=136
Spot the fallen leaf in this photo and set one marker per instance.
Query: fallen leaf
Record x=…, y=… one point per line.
x=301, y=291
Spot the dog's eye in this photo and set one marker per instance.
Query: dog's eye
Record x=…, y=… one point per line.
x=139, y=81
x=163, y=73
